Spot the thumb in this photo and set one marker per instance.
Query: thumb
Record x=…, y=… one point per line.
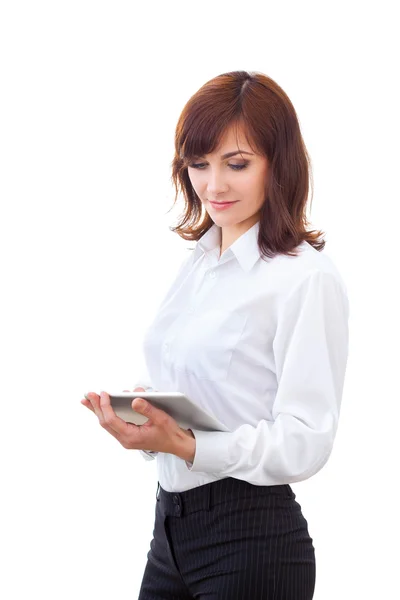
x=144, y=407
x=139, y=404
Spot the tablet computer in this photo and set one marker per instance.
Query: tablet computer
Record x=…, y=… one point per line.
x=185, y=412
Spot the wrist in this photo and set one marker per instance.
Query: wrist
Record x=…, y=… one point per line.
x=188, y=450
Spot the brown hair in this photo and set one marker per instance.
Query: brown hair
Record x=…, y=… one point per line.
x=257, y=103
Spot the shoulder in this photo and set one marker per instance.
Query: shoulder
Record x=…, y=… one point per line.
x=292, y=273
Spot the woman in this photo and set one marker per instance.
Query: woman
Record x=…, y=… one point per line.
x=255, y=329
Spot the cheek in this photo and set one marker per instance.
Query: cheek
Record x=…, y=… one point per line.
x=197, y=184
x=260, y=186
x=193, y=180
x=250, y=185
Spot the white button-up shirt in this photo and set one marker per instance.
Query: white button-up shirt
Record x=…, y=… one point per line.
x=263, y=346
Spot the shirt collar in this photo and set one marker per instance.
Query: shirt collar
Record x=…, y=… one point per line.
x=245, y=248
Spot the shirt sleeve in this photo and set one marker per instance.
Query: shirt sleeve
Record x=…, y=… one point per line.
x=148, y=454
x=310, y=349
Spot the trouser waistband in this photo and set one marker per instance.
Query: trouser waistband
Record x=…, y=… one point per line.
x=206, y=496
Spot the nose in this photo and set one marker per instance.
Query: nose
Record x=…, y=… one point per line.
x=216, y=185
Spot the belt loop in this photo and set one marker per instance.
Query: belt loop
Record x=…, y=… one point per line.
x=290, y=492
x=157, y=494
x=209, y=499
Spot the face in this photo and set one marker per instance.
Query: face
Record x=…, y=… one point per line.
x=243, y=181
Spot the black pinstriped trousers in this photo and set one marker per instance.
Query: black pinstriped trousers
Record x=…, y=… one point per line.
x=229, y=540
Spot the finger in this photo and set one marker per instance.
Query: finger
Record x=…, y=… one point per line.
x=156, y=415
x=132, y=430
x=95, y=402
x=91, y=402
x=88, y=404
x=111, y=420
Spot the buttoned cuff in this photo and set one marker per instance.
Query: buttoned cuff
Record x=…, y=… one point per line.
x=212, y=451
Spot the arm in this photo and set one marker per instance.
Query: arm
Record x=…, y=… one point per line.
x=310, y=349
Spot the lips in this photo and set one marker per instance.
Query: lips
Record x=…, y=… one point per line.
x=222, y=206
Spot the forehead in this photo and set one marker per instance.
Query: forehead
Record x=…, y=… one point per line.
x=214, y=144
x=234, y=137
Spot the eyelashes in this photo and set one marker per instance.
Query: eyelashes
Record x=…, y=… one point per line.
x=233, y=167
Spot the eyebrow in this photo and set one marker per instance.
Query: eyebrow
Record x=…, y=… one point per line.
x=229, y=154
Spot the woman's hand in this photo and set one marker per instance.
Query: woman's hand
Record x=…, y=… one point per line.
x=161, y=432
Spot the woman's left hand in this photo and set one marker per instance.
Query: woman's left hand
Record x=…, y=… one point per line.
x=161, y=432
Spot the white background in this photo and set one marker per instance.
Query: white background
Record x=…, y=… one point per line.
x=90, y=96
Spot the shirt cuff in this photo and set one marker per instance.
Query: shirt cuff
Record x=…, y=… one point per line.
x=211, y=454
x=148, y=454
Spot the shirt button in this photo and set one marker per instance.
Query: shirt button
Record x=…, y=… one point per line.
x=191, y=310
x=166, y=347
x=212, y=274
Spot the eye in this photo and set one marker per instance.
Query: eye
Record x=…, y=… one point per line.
x=233, y=167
